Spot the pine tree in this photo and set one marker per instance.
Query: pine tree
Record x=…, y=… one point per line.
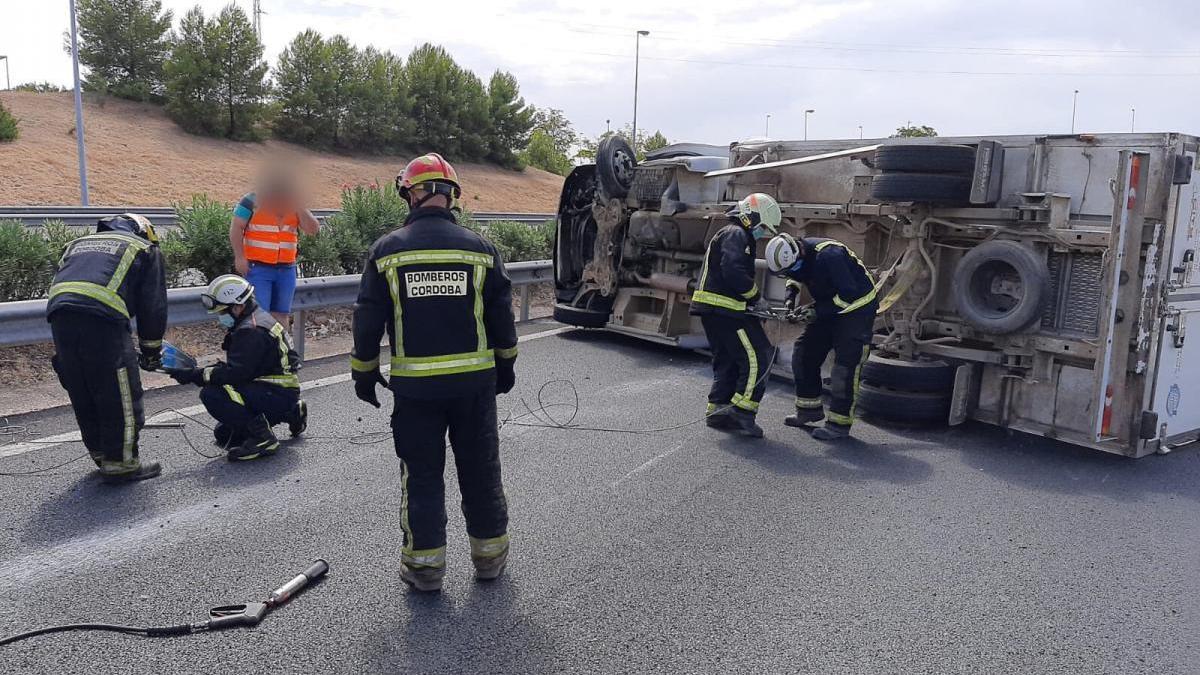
x=123, y=44
x=191, y=77
x=377, y=112
x=344, y=78
x=237, y=51
x=300, y=83
x=510, y=120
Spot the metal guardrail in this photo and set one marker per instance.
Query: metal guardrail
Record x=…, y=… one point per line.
x=164, y=216
x=25, y=322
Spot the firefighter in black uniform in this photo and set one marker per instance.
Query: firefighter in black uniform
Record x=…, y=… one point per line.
x=441, y=293
x=256, y=387
x=725, y=291
x=103, y=281
x=842, y=319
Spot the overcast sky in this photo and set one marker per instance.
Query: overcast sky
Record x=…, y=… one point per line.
x=712, y=71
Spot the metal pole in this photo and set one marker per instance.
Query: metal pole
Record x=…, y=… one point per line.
x=860, y=132
x=525, y=302
x=1074, y=100
x=298, y=333
x=767, y=130
x=1132, y=119
x=806, y=112
x=637, y=56
x=7, y=82
x=83, y=182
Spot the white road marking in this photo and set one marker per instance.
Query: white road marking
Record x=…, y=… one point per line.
x=166, y=416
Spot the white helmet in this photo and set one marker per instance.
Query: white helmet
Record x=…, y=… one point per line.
x=226, y=290
x=782, y=252
x=757, y=209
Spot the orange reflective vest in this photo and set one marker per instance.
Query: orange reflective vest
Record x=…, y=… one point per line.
x=272, y=238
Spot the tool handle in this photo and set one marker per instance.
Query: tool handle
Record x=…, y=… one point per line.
x=285, y=592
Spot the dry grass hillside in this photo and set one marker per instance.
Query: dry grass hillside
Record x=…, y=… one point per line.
x=138, y=157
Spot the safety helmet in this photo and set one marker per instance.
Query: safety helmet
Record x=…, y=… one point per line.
x=757, y=209
x=782, y=252
x=433, y=174
x=224, y=291
x=132, y=223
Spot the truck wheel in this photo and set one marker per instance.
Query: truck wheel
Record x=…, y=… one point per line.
x=1000, y=287
x=615, y=162
x=921, y=187
x=914, y=376
x=583, y=318
x=905, y=407
x=956, y=159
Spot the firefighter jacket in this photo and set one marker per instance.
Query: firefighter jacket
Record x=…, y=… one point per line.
x=114, y=276
x=257, y=349
x=837, y=279
x=727, y=277
x=441, y=293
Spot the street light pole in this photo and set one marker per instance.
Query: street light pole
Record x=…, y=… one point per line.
x=1132, y=119
x=83, y=182
x=806, y=113
x=860, y=132
x=637, y=56
x=767, y=129
x=7, y=82
x=1074, y=100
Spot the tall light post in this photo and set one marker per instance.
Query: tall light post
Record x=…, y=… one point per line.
x=637, y=55
x=1074, y=100
x=767, y=129
x=1132, y=119
x=7, y=82
x=608, y=125
x=806, y=114
x=860, y=132
x=83, y=183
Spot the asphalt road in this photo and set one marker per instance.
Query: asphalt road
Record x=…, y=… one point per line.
x=938, y=551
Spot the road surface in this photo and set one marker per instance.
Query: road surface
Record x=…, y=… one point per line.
x=905, y=551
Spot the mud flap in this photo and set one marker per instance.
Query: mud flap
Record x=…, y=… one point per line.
x=966, y=394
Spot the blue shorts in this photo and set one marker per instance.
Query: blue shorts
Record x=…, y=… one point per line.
x=274, y=286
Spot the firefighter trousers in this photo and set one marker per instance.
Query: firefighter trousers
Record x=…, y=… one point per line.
x=741, y=359
x=849, y=337
x=97, y=365
x=236, y=406
x=419, y=430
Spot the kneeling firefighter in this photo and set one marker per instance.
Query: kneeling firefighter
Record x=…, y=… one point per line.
x=256, y=387
x=741, y=350
x=103, y=281
x=441, y=293
x=842, y=319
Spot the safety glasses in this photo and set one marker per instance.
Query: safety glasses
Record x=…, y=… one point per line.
x=210, y=303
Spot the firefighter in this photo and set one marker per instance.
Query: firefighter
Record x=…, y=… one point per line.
x=841, y=319
x=741, y=350
x=256, y=387
x=441, y=293
x=103, y=281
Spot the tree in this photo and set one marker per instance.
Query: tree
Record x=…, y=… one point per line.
x=912, y=131
x=550, y=143
x=191, y=77
x=587, y=150
x=429, y=74
x=654, y=142
x=377, y=116
x=8, y=125
x=124, y=43
x=343, y=79
x=511, y=120
x=299, y=87
x=555, y=124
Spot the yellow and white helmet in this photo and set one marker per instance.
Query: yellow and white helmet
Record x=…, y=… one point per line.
x=225, y=291
x=782, y=253
x=757, y=211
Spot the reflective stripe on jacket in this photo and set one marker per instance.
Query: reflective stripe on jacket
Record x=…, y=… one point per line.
x=837, y=279
x=257, y=349
x=727, y=276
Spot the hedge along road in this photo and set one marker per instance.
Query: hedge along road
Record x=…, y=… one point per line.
x=682, y=551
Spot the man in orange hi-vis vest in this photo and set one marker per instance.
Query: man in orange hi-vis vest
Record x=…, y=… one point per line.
x=265, y=236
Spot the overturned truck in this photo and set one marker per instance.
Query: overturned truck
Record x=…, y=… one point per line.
x=1042, y=283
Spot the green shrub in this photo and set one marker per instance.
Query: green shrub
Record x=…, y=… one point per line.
x=368, y=212
x=204, y=230
x=39, y=88
x=8, y=125
x=26, y=263
x=319, y=256
x=175, y=256
x=58, y=234
x=519, y=242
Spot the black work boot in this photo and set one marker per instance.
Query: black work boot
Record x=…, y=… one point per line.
x=831, y=432
x=744, y=425
x=423, y=579
x=260, y=442
x=719, y=416
x=804, y=417
x=128, y=472
x=297, y=420
x=225, y=437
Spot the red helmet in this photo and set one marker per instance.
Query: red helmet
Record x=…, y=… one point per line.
x=433, y=174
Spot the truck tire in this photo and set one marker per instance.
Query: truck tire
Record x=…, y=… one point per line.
x=921, y=187
x=905, y=407
x=615, y=162
x=583, y=318
x=953, y=159
x=1001, y=286
x=935, y=377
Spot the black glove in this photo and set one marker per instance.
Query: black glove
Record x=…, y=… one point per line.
x=506, y=375
x=187, y=375
x=804, y=315
x=793, y=295
x=364, y=385
x=150, y=358
x=760, y=306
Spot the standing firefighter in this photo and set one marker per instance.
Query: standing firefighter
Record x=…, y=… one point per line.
x=841, y=319
x=442, y=294
x=741, y=351
x=256, y=387
x=104, y=280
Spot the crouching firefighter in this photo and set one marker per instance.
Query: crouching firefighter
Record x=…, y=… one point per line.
x=256, y=387
x=103, y=281
x=725, y=291
x=441, y=293
x=841, y=319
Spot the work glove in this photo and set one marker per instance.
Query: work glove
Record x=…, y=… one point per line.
x=150, y=359
x=506, y=375
x=803, y=315
x=187, y=375
x=364, y=385
x=760, y=306
x=791, y=298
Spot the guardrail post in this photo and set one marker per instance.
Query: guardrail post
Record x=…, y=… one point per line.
x=525, y=302
x=298, y=333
